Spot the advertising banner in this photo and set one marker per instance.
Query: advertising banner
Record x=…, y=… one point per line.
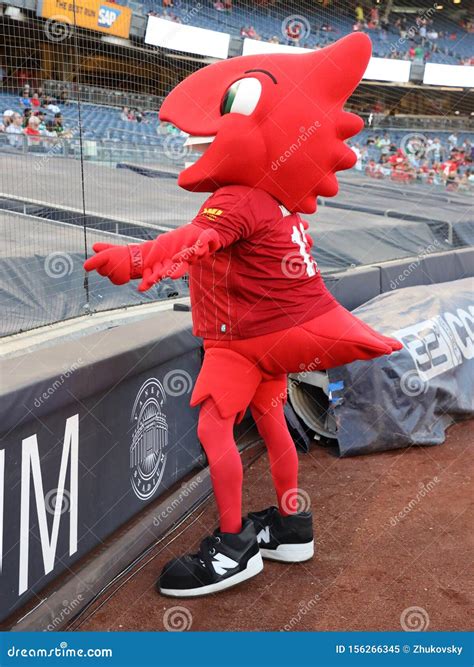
x=186, y=38
x=77, y=465
x=411, y=396
x=97, y=15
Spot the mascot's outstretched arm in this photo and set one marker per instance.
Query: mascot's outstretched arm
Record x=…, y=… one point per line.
x=168, y=256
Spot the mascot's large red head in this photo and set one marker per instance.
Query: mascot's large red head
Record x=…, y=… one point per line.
x=272, y=121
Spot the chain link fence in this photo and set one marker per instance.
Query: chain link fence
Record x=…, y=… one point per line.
x=84, y=158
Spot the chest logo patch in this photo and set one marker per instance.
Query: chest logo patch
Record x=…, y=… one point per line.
x=212, y=213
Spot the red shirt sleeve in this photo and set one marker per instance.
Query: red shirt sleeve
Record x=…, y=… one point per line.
x=229, y=212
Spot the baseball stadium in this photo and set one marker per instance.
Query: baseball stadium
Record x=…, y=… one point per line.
x=237, y=331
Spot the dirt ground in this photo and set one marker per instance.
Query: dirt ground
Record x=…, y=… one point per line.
x=394, y=531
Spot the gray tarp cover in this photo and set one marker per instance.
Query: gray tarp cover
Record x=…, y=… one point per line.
x=411, y=396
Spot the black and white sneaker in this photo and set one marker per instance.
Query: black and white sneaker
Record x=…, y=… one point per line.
x=284, y=538
x=223, y=560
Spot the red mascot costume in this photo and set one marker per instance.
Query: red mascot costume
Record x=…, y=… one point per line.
x=271, y=129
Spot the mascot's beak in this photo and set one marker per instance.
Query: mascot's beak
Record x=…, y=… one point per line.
x=340, y=67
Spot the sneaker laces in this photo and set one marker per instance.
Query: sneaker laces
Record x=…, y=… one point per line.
x=207, y=549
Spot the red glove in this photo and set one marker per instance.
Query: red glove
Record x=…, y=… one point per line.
x=116, y=262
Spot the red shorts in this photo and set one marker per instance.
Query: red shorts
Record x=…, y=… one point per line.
x=233, y=370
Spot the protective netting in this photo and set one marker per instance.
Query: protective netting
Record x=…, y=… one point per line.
x=84, y=158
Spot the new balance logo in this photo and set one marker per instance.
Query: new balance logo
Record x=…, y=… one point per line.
x=222, y=563
x=264, y=535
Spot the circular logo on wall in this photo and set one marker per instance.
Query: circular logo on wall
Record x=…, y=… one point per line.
x=149, y=439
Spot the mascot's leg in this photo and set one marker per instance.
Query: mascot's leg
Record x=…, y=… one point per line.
x=267, y=411
x=283, y=533
x=216, y=436
x=224, y=389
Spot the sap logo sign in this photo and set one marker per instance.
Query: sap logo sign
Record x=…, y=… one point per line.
x=107, y=16
x=441, y=343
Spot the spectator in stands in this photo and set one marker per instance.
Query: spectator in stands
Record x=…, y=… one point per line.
x=327, y=27
x=15, y=130
x=467, y=148
x=384, y=144
x=252, y=33
x=25, y=101
x=450, y=173
x=435, y=151
x=359, y=13
x=125, y=114
x=64, y=96
x=51, y=136
x=423, y=32
x=356, y=149
x=7, y=119
x=32, y=131
x=374, y=17
x=419, y=53
x=53, y=108
x=41, y=96
x=58, y=123
x=35, y=101
x=452, y=141
x=423, y=171
x=26, y=116
x=42, y=119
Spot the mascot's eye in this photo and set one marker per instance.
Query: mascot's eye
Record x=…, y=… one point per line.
x=242, y=97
